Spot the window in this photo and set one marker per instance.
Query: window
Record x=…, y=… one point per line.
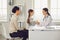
x=52, y=5
x=38, y=6
x=3, y=10
x=55, y=10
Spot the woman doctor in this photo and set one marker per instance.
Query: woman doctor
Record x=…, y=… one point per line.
x=47, y=18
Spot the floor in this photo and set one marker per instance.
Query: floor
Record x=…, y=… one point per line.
x=2, y=38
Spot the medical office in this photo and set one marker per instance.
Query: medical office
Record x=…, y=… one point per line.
x=37, y=5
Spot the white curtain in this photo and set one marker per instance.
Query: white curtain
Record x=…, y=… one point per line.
x=3, y=10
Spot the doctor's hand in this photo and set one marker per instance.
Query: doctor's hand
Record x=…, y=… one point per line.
x=37, y=22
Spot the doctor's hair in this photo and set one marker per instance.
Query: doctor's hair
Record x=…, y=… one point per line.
x=28, y=20
x=15, y=9
x=46, y=9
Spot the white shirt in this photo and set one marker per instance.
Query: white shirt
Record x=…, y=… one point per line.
x=13, y=24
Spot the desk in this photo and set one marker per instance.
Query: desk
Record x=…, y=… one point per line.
x=46, y=34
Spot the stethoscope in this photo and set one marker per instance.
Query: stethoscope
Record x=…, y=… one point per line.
x=45, y=18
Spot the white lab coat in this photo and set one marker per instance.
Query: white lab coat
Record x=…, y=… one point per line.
x=46, y=21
